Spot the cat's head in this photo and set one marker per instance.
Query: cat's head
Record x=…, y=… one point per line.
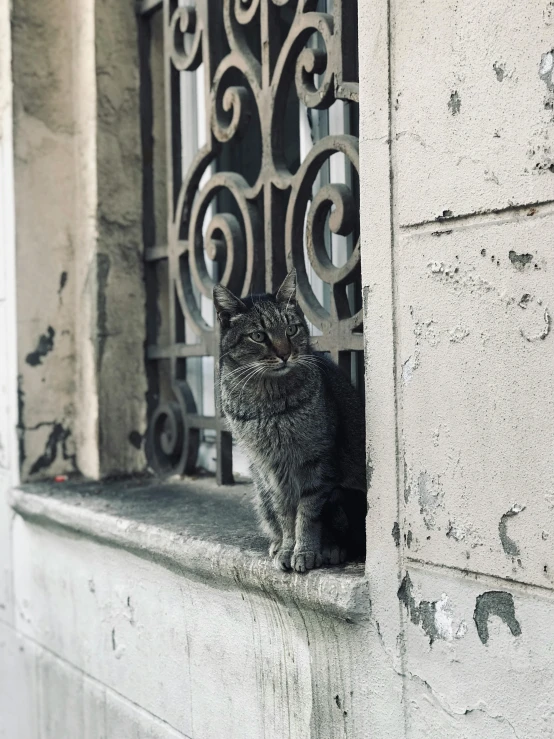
x=265, y=332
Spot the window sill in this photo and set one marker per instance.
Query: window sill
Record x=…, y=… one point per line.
x=194, y=527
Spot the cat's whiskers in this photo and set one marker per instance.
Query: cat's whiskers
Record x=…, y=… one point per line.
x=242, y=368
x=242, y=371
x=243, y=378
x=257, y=371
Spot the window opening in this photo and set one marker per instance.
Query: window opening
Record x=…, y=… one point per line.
x=250, y=145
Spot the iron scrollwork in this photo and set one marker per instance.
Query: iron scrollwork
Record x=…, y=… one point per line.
x=259, y=58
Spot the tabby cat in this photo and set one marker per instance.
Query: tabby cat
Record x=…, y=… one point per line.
x=301, y=425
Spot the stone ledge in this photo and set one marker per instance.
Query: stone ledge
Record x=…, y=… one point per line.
x=194, y=527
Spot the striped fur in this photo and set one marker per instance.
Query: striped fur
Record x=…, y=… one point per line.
x=301, y=425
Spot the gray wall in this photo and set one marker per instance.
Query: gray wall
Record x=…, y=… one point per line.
x=457, y=220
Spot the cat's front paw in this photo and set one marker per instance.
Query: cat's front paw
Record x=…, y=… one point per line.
x=305, y=560
x=282, y=559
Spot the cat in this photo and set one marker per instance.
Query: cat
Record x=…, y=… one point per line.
x=301, y=425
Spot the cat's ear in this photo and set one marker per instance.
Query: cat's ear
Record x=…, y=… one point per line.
x=226, y=305
x=287, y=292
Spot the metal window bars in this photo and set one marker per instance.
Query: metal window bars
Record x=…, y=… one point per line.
x=259, y=174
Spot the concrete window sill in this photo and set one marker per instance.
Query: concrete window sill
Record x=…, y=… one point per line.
x=195, y=528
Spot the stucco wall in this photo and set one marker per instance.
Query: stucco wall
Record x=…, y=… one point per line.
x=456, y=191
x=457, y=222
x=79, y=238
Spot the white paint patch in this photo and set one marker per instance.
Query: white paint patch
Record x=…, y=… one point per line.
x=444, y=618
x=547, y=63
x=546, y=69
x=408, y=370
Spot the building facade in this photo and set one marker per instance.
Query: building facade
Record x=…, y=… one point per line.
x=136, y=606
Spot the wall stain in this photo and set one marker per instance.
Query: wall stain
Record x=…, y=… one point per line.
x=519, y=260
x=421, y=615
x=135, y=439
x=103, y=265
x=495, y=603
x=508, y=544
x=499, y=70
x=21, y=419
x=58, y=437
x=63, y=283
x=455, y=103
x=525, y=298
x=44, y=347
x=396, y=533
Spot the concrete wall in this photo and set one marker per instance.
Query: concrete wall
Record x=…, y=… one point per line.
x=79, y=226
x=457, y=260
x=14, y=690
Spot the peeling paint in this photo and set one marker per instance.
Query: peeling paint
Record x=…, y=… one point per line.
x=465, y=280
x=45, y=346
x=455, y=103
x=519, y=260
x=436, y=618
x=455, y=532
x=499, y=71
x=508, y=544
x=408, y=370
x=396, y=533
x=58, y=437
x=525, y=298
x=546, y=69
x=541, y=336
x=495, y=603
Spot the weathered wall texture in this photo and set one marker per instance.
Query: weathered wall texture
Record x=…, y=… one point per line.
x=78, y=214
x=458, y=223
x=457, y=181
x=209, y=662
x=13, y=691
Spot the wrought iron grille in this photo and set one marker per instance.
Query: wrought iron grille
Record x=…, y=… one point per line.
x=260, y=174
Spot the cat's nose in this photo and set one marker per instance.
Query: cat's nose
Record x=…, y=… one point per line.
x=283, y=352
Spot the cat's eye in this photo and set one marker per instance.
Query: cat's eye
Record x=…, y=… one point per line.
x=258, y=336
x=291, y=330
